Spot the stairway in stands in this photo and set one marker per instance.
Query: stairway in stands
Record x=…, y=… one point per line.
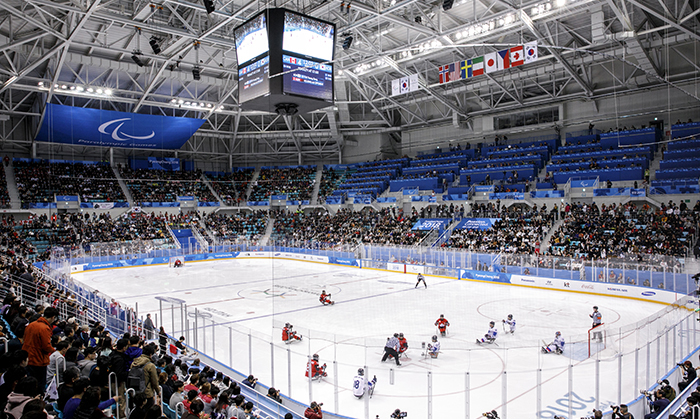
x=317, y=185
x=125, y=188
x=15, y=202
x=252, y=182
x=268, y=232
x=544, y=246
x=206, y=181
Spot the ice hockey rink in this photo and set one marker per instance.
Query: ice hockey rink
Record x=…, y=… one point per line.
x=241, y=305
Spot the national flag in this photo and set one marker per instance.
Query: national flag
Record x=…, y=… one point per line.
x=413, y=84
x=531, y=52
x=491, y=62
x=395, y=87
x=516, y=56
x=503, y=59
x=465, y=69
x=403, y=84
x=477, y=66
x=443, y=74
x=454, y=71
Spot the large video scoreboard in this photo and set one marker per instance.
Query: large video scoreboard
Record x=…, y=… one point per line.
x=285, y=58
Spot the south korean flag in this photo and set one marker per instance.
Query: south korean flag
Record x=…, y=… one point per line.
x=531, y=52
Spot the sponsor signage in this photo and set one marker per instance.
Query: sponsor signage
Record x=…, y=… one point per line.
x=431, y=224
x=477, y=223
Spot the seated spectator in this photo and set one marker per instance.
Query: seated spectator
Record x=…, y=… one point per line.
x=25, y=390
x=87, y=405
x=177, y=396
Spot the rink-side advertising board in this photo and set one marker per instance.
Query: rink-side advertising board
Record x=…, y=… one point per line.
x=405, y=268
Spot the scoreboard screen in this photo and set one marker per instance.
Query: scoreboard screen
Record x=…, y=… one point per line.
x=254, y=80
x=307, y=78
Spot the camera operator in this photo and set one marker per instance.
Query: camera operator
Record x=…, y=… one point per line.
x=669, y=392
x=658, y=405
x=314, y=411
x=398, y=414
x=689, y=375
x=621, y=412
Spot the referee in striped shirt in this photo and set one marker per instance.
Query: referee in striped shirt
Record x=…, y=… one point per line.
x=392, y=348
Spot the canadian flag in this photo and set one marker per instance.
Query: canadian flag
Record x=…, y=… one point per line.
x=491, y=62
x=516, y=56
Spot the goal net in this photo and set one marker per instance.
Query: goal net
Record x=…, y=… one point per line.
x=597, y=339
x=173, y=259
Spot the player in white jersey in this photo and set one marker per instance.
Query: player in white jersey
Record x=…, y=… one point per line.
x=511, y=323
x=360, y=384
x=557, y=346
x=433, y=348
x=490, y=336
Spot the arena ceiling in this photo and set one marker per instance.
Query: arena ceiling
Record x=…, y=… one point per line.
x=79, y=52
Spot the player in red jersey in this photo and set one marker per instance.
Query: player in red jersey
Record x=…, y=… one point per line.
x=325, y=299
x=288, y=334
x=317, y=370
x=442, y=324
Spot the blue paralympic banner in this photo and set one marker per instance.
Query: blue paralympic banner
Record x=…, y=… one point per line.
x=476, y=223
x=94, y=127
x=431, y=224
x=165, y=163
x=66, y=198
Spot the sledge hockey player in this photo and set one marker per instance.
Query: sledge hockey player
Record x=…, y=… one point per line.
x=288, y=335
x=490, y=336
x=360, y=384
x=317, y=371
x=403, y=344
x=557, y=346
x=421, y=278
x=442, y=324
x=177, y=264
x=433, y=348
x=325, y=299
x=511, y=323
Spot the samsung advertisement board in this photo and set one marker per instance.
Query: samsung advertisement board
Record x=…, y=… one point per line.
x=298, y=73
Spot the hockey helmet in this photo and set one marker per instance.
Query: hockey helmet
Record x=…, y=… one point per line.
x=323, y=292
x=434, y=338
x=510, y=316
x=492, y=324
x=400, y=335
x=557, y=334
x=287, y=325
x=396, y=335
x=315, y=357
x=442, y=316
x=595, y=307
x=361, y=371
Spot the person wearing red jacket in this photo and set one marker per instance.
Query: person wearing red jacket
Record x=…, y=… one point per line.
x=288, y=334
x=442, y=324
x=314, y=411
x=325, y=299
x=37, y=343
x=316, y=369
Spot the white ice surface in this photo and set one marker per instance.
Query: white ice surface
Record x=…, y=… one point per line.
x=257, y=296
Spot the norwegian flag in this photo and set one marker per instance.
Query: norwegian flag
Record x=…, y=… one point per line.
x=444, y=70
x=516, y=56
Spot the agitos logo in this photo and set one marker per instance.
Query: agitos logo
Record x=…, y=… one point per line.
x=116, y=134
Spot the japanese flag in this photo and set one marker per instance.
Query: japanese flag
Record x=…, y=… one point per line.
x=531, y=52
x=516, y=56
x=491, y=62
